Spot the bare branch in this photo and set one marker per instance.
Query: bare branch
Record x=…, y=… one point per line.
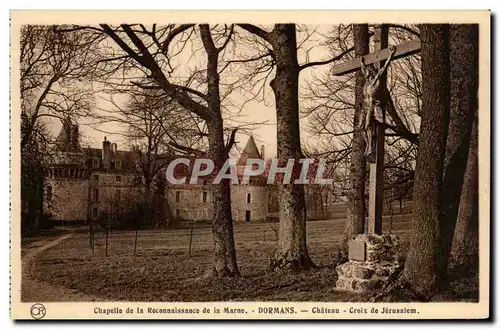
x=336, y=58
x=405, y=28
x=231, y=31
x=175, y=32
x=257, y=31
x=231, y=140
x=109, y=31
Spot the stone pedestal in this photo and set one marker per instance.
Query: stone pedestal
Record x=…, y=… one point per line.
x=372, y=259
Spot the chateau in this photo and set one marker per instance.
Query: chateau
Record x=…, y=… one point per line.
x=249, y=202
x=82, y=183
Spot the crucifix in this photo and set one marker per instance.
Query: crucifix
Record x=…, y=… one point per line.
x=375, y=96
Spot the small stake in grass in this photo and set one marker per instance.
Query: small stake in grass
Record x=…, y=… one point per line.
x=190, y=240
x=390, y=210
x=107, y=234
x=135, y=242
x=91, y=238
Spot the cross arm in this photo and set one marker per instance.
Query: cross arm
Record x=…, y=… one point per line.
x=402, y=50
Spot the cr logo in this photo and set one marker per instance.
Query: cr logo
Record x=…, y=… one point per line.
x=37, y=311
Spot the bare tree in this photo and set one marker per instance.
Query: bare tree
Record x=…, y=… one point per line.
x=292, y=250
x=148, y=117
x=55, y=73
x=34, y=160
x=152, y=50
x=55, y=70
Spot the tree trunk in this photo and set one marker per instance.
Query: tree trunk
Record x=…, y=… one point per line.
x=420, y=265
x=292, y=253
x=355, y=222
x=222, y=228
x=465, y=247
x=464, y=45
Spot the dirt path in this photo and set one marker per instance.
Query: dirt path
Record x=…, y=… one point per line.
x=39, y=291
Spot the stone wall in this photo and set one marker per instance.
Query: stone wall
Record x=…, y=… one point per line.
x=117, y=193
x=74, y=199
x=191, y=205
x=66, y=199
x=188, y=203
x=258, y=206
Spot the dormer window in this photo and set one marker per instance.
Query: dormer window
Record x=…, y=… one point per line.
x=95, y=163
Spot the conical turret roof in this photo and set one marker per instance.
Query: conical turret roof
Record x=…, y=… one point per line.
x=249, y=152
x=68, y=138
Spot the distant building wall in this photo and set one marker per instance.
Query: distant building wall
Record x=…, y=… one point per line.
x=66, y=198
x=113, y=192
x=249, y=202
x=85, y=182
x=193, y=202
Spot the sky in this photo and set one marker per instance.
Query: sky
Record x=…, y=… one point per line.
x=260, y=112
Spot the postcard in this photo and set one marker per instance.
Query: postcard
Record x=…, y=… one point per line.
x=317, y=165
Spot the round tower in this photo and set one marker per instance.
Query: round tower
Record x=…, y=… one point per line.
x=249, y=201
x=66, y=180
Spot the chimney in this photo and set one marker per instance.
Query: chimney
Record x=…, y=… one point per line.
x=74, y=137
x=262, y=152
x=114, y=148
x=106, y=153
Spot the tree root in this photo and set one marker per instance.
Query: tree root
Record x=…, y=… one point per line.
x=224, y=273
x=291, y=264
x=395, y=284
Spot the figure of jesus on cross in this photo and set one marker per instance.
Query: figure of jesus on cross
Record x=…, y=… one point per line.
x=374, y=98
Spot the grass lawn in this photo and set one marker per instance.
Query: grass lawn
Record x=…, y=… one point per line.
x=161, y=270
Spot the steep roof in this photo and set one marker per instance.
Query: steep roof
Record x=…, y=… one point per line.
x=68, y=139
x=64, y=134
x=249, y=152
x=128, y=158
